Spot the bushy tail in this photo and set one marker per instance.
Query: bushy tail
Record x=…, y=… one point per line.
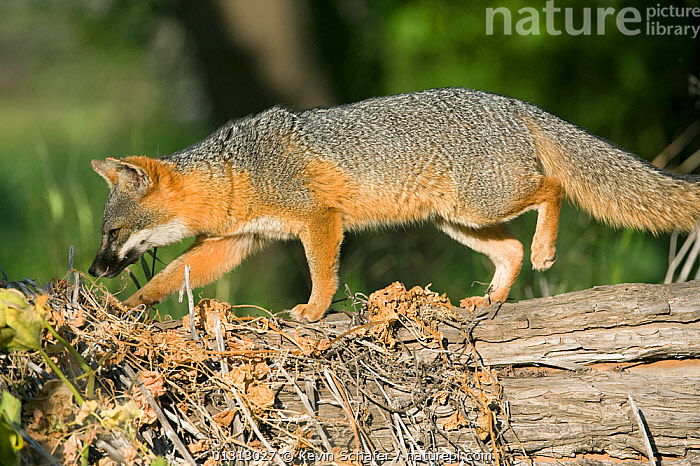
x=612, y=184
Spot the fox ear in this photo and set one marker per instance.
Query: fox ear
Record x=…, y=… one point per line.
x=129, y=175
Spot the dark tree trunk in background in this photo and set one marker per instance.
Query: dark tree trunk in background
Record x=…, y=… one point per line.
x=252, y=55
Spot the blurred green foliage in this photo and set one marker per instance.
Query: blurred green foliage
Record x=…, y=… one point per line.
x=83, y=79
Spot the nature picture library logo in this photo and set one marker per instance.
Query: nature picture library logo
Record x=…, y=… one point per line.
x=659, y=20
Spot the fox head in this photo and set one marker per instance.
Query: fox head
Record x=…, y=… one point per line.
x=131, y=224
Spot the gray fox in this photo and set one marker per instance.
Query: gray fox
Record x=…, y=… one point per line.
x=466, y=160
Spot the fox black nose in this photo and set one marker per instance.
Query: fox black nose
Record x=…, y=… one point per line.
x=92, y=271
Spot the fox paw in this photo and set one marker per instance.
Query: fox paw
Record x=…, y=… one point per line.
x=543, y=258
x=137, y=299
x=308, y=312
x=474, y=302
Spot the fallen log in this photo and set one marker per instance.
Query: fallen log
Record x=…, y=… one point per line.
x=607, y=324
x=649, y=335
x=566, y=414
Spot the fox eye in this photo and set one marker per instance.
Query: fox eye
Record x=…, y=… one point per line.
x=114, y=233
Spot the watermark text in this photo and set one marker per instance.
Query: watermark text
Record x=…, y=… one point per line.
x=653, y=21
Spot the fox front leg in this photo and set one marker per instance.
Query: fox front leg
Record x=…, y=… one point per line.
x=208, y=258
x=321, y=240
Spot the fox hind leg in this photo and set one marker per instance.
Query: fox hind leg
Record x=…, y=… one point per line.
x=504, y=250
x=548, y=200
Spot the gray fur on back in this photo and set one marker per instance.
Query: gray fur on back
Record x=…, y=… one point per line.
x=472, y=136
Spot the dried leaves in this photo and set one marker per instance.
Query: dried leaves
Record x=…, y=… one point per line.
x=389, y=305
